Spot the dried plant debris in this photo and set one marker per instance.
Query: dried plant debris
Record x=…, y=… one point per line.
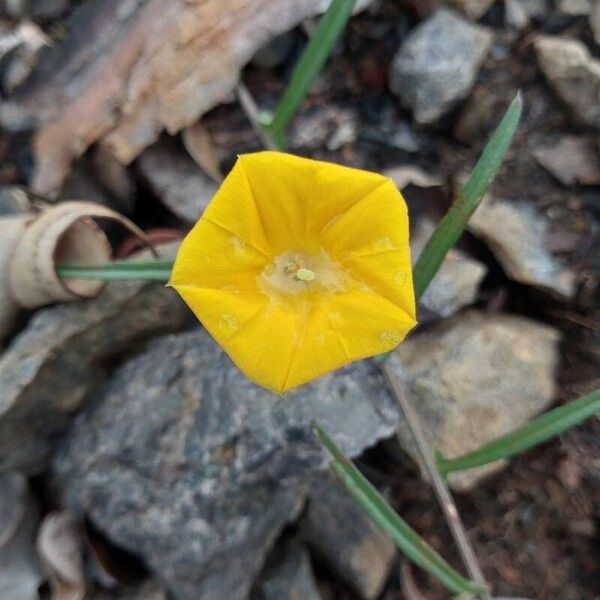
x=572, y=160
x=20, y=571
x=207, y=451
x=150, y=66
x=475, y=377
x=516, y=233
x=60, y=547
x=438, y=63
x=32, y=243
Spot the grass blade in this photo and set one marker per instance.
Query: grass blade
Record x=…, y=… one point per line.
x=538, y=430
x=384, y=515
x=455, y=221
x=153, y=270
x=330, y=28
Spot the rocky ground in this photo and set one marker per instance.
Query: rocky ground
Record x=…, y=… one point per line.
x=137, y=463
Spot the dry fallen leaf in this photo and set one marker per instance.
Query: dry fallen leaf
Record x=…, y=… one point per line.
x=153, y=65
x=60, y=547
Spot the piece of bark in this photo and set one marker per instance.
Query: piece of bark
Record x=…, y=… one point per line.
x=128, y=70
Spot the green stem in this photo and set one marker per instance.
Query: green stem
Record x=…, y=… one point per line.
x=317, y=51
x=538, y=430
x=154, y=270
x=409, y=542
x=455, y=221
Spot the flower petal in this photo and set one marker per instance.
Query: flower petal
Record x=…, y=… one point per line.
x=296, y=197
x=346, y=327
x=213, y=258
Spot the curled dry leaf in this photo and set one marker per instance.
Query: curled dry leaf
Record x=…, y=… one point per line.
x=60, y=547
x=33, y=243
x=153, y=65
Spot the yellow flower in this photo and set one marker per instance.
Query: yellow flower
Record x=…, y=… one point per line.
x=298, y=267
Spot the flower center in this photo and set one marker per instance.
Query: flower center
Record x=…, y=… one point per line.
x=298, y=274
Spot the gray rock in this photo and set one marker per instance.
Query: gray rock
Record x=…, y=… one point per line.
x=571, y=159
x=20, y=571
x=48, y=370
x=573, y=74
x=342, y=535
x=187, y=463
x=516, y=234
x=457, y=281
x=288, y=577
x=13, y=200
x=176, y=179
x=475, y=377
x=438, y=63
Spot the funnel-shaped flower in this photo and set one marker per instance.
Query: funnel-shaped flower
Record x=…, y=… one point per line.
x=298, y=267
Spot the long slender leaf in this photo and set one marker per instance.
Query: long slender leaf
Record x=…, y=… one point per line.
x=384, y=515
x=154, y=270
x=314, y=56
x=455, y=221
x=538, y=430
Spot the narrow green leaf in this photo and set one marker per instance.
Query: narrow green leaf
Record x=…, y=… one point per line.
x=314, y=56
x=384, y=515
x=538, y=430
x=153, y=270
x=455, y=221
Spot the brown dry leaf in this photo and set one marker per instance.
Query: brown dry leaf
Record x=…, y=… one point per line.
x=60, y=547
x=203, y=150
x=153, y=65
x=573, y=160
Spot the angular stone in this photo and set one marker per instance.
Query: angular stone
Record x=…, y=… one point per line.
x=573, y=74
x=457, y=281
x=516, y=234
x=185, y=462
x=48, y=370
x=438, y=63
x=572, y=160
x=176, y=179
x=290, y=576
x=20, y=571
x=473, y=378
x=343, y=536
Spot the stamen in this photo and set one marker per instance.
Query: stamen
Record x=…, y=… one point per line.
x=305, y=274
